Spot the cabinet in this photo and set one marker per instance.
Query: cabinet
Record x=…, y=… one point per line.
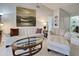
x=0, y=36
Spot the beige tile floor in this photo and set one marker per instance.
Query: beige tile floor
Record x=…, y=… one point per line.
x=44, y=51
x=8, y=52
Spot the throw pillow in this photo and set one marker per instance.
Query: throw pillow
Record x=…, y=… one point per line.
x=14, y=32
x=67, y=35
x=39, y=30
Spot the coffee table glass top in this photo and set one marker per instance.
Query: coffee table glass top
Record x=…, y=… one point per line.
x=28, y=41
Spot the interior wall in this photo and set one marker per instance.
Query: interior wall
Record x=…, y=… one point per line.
x=52, y=21
x=60, y=21
x=9, y=15
x=64, y=20
x=43, y=14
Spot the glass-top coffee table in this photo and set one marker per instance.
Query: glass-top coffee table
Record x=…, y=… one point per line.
x=27, y=46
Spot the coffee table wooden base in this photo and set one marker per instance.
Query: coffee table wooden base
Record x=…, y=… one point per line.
x=29, y=50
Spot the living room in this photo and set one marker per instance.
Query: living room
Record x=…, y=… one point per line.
x=55, y=17
x=8, y=12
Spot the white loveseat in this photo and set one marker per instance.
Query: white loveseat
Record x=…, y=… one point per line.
x=59, y=44
x=23, y=33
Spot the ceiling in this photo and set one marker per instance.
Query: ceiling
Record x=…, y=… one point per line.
x=71, y=8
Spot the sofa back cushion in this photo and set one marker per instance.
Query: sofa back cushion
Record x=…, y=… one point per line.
x=27, y=31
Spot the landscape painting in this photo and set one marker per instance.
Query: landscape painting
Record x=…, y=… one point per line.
x=25, y=17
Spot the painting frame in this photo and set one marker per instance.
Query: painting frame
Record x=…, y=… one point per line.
x=25, y=17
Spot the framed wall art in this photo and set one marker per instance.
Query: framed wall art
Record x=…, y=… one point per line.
x=25, y=17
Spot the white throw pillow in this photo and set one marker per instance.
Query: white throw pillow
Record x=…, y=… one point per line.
x=67, y=35
x=62, y=32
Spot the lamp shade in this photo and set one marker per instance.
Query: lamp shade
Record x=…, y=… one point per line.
x=1, y=24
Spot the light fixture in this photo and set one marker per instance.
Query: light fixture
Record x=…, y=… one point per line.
x=1, y=24
x=1, y=13
x=44, y=24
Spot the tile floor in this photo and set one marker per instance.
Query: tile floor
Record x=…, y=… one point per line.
x=44, y=51
x=8, y=52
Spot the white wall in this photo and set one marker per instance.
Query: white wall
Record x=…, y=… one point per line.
x=64, y=20
x=42, y=15
x=9, y=15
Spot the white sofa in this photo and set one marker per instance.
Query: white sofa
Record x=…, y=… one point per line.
x=59, y=44
x=31, y=31
x=23, y=33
